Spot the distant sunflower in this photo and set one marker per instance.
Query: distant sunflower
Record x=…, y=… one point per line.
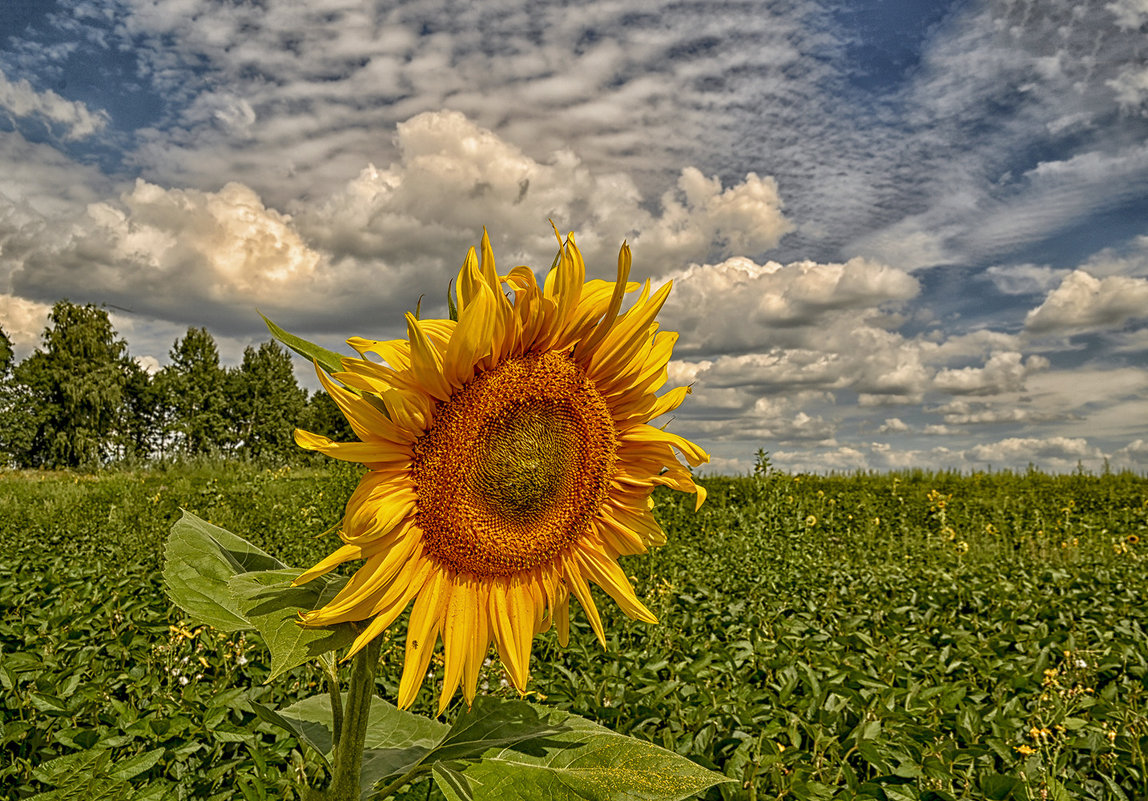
x=513, y=464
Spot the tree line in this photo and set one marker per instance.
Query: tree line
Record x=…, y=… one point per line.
x=80, y=400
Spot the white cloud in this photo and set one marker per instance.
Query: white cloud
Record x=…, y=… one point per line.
x=23, y=321
x=893, y=424
x=19, y=99
x=1003, y=372
x=208, y=257
x=1024, y=279
x=1085, y=303
x=1131, y=88
x=173, y=253
x=453, y=176
x=961, y=413
x=1059, y=450
x=739, y=304
x=1130, y=14
x=1133, y=455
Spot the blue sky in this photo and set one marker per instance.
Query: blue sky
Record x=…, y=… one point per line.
x=901, y=234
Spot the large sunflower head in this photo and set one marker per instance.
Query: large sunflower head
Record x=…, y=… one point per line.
x=510, y=461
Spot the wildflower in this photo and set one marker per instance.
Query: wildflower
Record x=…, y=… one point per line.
x=1024, y=749
x=810, y=521
x=511, y=463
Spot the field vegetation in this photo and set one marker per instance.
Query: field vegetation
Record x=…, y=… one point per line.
x=904, y=636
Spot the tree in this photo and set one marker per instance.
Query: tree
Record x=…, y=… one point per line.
x=74, y=389
x=7, y=354
x=267, y=402
x=322, y=416
x=193, y=388
x=16, y=433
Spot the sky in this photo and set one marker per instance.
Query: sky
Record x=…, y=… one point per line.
x=901, y=234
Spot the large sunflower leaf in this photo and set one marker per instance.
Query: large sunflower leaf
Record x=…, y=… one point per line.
x=199, y=560
x=329, y=360
x=581, y=762
x=396, y=741
x=492, y=723
x=267, y=599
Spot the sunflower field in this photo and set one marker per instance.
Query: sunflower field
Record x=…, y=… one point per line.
x=900, y=636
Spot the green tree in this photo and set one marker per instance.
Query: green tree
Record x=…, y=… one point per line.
x=322, y=416
x=7, y=354
x=267, y=403
x=73, y=389
x=193, y=388
x=16, y=433
x=139, y=428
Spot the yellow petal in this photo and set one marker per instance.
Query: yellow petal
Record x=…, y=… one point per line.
x=646, y=433
x=577, y=583
x=609, y=576
x=422, y=634
x=374, y=450
x=426, y=361
x=458, y=629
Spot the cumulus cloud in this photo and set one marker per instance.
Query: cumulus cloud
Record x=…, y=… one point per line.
x=74, y=120
x=1003, y=372
x=1019, y=449
x=739, y=304
x=452, y=177
x=1130, y=14
x=963, y=413
x=1024, y=279
x=1085, y=303
x=893, y=424
x=23, y=321
x=174, y=253
x=1134, y=455
x=209, y=256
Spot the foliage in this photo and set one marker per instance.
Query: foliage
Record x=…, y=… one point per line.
x=916, y=635
x=193, y=387
x=266, y=401
x=74, y=388
x=82, y=401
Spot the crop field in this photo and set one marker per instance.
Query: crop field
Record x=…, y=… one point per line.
x=906, y=636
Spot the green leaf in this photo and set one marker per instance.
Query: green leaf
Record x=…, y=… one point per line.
x=998, y=786
x=396, y=740
x=1056, y=791
x=583, y=761
x=68, y=768
x=268, y=601
x=130, y=768
x=312, y=734
x=199, y=560
x=495, y=723
x=329, y=360
x=92, y=776
x=453, y=784
x=452, y=310
x=1114, y=788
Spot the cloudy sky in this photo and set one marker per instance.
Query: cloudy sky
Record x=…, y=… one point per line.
x=900, y=233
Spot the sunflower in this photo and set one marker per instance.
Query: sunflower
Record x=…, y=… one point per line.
x=510, y=464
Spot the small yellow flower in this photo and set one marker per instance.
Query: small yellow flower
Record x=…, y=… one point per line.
x=810, y=521
x=1024, y=749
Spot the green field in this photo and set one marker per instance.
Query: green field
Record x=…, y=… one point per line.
x=893, y=637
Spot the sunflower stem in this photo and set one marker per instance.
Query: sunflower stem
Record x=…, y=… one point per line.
x=331, y=670
x=348, y=762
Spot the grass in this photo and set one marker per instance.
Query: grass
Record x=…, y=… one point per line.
x=914, y=635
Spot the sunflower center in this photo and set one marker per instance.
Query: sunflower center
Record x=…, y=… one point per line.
x=514, y=467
